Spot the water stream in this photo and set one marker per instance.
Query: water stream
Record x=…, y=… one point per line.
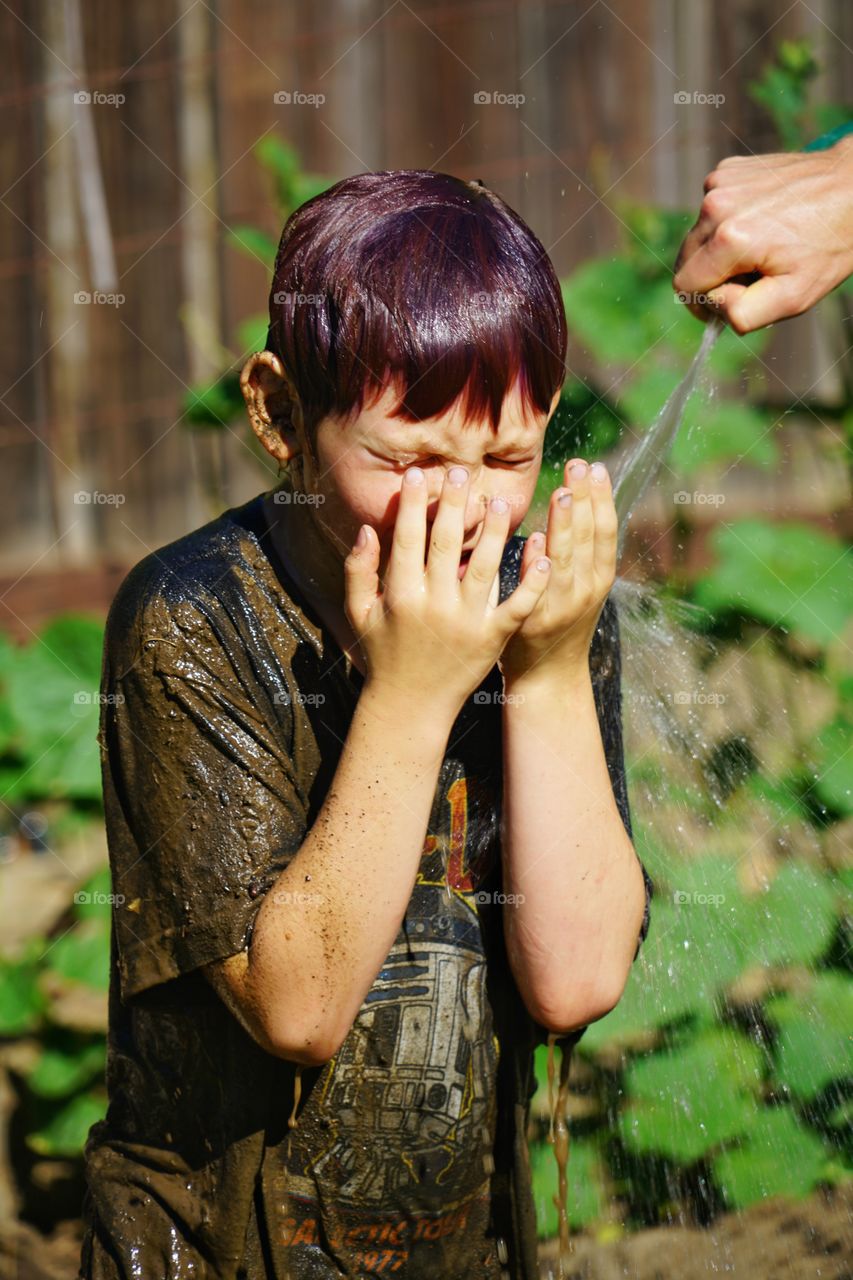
x=648, y=638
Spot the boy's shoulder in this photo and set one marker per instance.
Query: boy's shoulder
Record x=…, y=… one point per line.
x=198, y=565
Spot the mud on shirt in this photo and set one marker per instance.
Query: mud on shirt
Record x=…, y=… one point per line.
x=408, y=1154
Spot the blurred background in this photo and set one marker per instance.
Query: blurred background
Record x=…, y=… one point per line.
x=150, y=156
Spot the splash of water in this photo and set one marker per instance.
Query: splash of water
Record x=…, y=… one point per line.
x=636, y=470
x=653, y=641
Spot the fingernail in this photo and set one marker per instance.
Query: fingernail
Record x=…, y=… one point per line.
x=564, y=500
x=543, y=563
x=457, y=476
x=414, y=476
x=578, y=470
x=499, y=505
x=536, y=538
x=361, y=540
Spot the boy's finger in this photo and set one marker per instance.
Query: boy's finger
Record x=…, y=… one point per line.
x=361, y=580
x=485, y=561
x=606, y=523
x=406, y=562
x=524, y=599
x=448, y=529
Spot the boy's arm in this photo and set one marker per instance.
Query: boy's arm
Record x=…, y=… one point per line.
x=328, y=922
x=567, y=849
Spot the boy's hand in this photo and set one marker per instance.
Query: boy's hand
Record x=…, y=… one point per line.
x=554, y=640
x=430, y=636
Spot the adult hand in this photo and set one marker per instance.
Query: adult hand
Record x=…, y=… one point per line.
x=773, y=237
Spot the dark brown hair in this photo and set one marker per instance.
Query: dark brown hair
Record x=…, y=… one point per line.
x=420, y=280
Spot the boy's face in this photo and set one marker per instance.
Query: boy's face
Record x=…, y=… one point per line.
x=361, y=464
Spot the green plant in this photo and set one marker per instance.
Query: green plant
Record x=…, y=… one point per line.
x=62, y=1088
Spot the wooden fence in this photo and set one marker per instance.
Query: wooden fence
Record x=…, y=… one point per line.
x=131, y=193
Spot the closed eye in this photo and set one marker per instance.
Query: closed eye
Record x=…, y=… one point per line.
x=492, y=460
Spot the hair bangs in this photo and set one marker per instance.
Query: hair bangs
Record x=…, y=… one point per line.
x=420, y=282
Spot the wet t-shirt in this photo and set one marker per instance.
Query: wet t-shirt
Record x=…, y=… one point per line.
x=226, y=705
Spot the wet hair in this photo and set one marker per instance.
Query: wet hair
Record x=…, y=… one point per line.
x=422, y=282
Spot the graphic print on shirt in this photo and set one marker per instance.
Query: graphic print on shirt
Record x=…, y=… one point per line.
x=401, y=1122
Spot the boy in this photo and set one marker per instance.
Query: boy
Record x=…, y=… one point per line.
x=364, y=796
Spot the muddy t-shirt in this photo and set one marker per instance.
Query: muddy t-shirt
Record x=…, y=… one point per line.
x=226, y=704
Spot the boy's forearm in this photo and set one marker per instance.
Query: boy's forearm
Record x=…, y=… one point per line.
x=572, y=932
x=328, y=923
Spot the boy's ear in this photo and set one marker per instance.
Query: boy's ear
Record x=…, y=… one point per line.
x=273, y=405
x=554, y=402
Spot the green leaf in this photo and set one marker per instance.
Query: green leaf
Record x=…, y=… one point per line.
x=791, y=922
x=254, y=243
x=83, y=954
x=604, y=304
x=53, y=696
x=252, y=336
x=778, y=1157
x=790, y=575
x=834, y=766
x=66, y=1132
x=61, y=1071
x=93, y=900
x=813, y=1047
x=684, y=1103
x=723, y=431
x=21, y=1001
x=587, y=1197
x=647, y=394
x=215, y=405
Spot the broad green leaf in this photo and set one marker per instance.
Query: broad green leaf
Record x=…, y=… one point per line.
x=21, y=1001
x=254, y=243
x=778, y=1157
x=94, y=898
x=813, y=1045
x=723, y=431
x=646, y=395
x=83, y=954
x=215, y=405
x=791, y=575
x=587, y=1197
x=684, y=1103
x=834, y=766
x=791, y=922
x=66, y=1132
x=60, y=1071
x=252, y=336
x=53, y=695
